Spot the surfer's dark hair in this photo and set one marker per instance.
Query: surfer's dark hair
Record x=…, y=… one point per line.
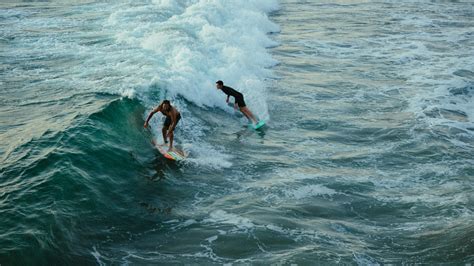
x=220, y=82
x=166, y=102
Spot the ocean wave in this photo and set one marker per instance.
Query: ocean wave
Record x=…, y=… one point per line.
x=195, y=43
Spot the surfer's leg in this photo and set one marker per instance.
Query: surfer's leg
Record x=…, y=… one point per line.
x=171, y=140
x=243, y=108
x=248, y=114
x=166, y=126
x=171, y=134
x=164, y=130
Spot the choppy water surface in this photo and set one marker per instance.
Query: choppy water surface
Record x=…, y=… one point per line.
x=367, y=156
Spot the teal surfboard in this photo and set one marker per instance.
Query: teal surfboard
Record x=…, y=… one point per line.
x=260, y=124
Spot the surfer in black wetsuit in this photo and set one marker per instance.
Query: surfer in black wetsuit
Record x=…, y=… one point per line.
x=172, y=119
x=239, y=100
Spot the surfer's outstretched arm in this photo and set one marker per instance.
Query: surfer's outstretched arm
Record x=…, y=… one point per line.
x=156, y=110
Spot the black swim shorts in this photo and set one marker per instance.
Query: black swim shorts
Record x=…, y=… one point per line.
x=167, y=122
x=240, y=101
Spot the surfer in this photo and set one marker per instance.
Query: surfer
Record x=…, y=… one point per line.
x=172, y=119
x=239, y=100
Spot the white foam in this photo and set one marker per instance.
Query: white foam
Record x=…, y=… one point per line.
x=128, y=93
x=98, y=257
x=207, y=156
x=309, y=191
x=430, y=63
x=296, y=234
x=364, y=259
x=223, y=217
x=435, y=106
x=211, y=239
x=184, y=224
x=205, y=41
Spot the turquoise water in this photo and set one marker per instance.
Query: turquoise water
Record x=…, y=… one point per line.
x=366, y=158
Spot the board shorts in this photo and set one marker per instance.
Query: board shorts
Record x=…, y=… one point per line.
x=167, y=122
x=239, y=100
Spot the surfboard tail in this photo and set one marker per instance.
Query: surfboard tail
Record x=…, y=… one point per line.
x=260, y=124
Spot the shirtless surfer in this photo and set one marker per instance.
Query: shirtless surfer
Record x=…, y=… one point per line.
x=172, y=119
x=239, y=100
